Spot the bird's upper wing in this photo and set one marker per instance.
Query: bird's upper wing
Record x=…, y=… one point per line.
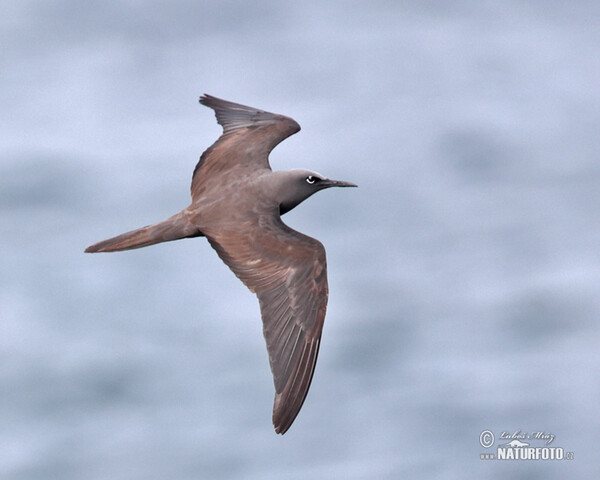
x=248, y=137
x=288, y=272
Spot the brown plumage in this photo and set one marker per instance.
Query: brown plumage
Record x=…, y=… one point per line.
x=237, y=203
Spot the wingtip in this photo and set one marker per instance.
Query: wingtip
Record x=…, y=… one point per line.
x=281, y=427
x=281, y=422
x=211, y=101
x=284, y=413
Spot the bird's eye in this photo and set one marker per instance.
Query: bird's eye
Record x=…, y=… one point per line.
x=310, y=179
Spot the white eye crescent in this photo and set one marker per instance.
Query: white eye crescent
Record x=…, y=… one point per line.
x=310, y=179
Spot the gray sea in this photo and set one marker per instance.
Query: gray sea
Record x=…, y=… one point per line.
x=464, y=272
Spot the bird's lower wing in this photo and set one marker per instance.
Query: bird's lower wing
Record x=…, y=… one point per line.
x=287, y=271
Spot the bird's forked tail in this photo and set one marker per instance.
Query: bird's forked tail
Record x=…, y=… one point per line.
x=173, y=228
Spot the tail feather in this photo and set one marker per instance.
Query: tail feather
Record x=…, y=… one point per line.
x=173, y=228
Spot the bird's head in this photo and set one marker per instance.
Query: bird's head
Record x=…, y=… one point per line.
x=295, y=186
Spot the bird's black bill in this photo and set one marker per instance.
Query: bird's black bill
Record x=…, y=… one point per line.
x=337, y=183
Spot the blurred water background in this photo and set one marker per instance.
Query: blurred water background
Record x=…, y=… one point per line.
x=464, y=272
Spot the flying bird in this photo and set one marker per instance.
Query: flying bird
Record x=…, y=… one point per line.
x=237, y=203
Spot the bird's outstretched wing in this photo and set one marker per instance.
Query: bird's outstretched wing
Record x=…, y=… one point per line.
x=249, y=135
x=288, y=272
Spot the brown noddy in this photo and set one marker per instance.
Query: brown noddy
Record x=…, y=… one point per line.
x=237, y=203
